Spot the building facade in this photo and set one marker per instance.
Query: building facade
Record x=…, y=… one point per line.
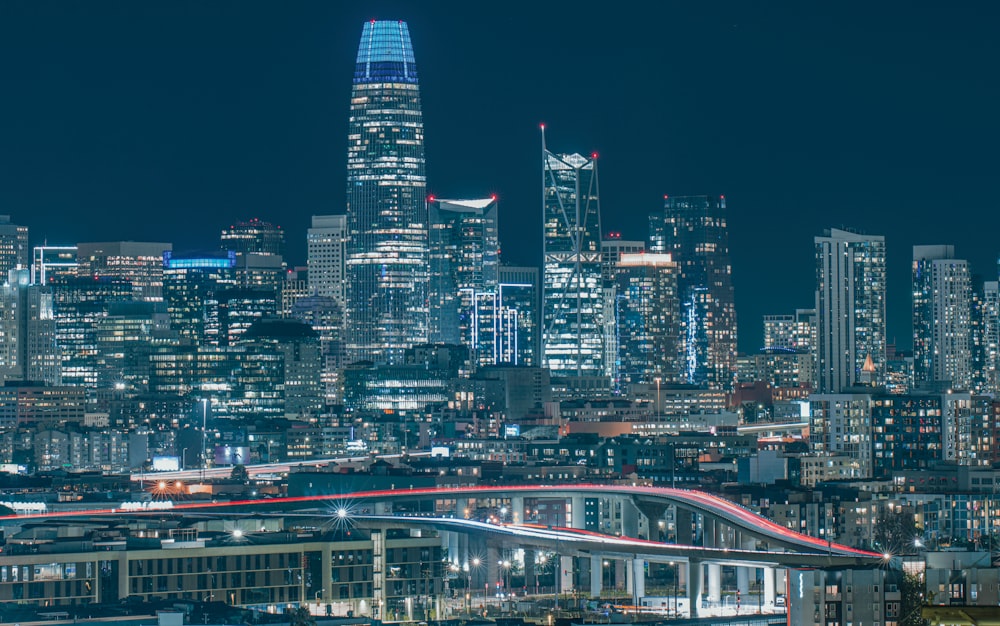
x=942, y=308
x=850, y=306
x=326, y=245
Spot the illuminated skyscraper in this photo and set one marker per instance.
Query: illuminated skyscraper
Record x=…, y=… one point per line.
x=464, y=258
x=386, y=269
x=572, y=290
x=693, y=230
x=850, y=309
x=942, y=292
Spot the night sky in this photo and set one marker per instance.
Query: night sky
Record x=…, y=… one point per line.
x=168, y=120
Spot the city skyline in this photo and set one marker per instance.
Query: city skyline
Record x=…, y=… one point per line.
x=804, y=120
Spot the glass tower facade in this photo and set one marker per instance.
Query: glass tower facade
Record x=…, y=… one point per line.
x=572, y=289
x=387, y=258
x=464, y=258
x=693, y=230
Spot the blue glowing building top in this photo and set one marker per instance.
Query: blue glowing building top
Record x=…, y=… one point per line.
x=385, y=54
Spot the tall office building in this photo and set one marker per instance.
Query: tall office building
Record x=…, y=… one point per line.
x=646, y=319
x=612, y=249
x=138, y=262
x=464, y=256
x=254, y=236
x=50, y=262
x=80, y=306
x=28, y=348
x=13, y=246
x=850, y=309
x=387, y=271
x=326, y=245
x=193, y=286
x=693, y=230
x=572, y=289
x=942, y=300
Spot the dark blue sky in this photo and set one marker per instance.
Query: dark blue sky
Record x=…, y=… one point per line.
x=169, y=120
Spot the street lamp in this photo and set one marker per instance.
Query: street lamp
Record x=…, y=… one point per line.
x=468, y=586
x=184, y=452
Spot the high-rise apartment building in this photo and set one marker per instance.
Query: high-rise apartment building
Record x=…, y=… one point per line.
x=850, y=309
x=572, y=287
x=138, y=262
x=694, y=231
x=841, y=424
x=793, y=332
x=326, y=244
x=942, y=308
x=386, y=269
x=464, y=251
x=986, y=351
x=13, y=246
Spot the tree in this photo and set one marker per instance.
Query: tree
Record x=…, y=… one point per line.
x=911, y=600
x=301, y=617
x=240, y=474
x=896, y=533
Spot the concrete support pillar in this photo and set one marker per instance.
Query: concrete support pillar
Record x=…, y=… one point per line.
x=517, y=509
x=618, y=568
x=694, y=587
x=744, y=542
x=768, y=574
x=326, y=574
x=453, y=551
x=378, y=574
x=493, y=570
x=530, y=579
x=578, y=512
x=596, y=575
x=714, y=582
x=638, y=579
x=382, y=507
x=566, y=574
x=462, y=508
x=743, y=581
